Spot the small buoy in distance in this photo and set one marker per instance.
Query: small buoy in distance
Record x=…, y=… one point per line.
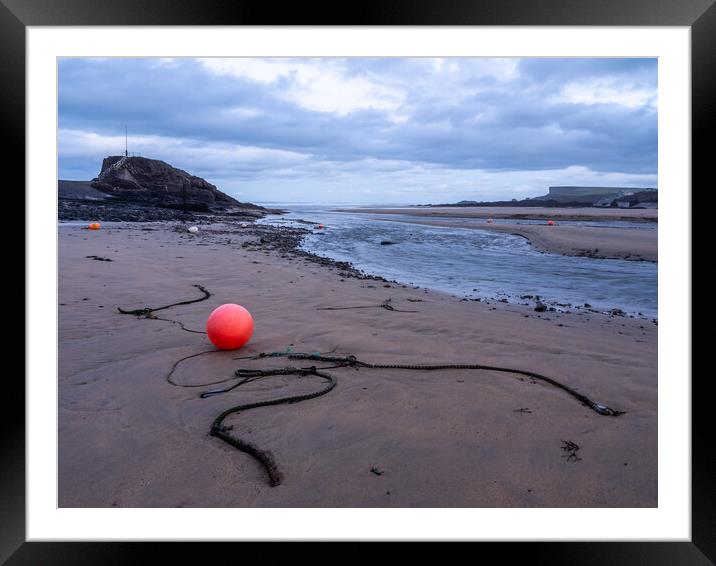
x=489, y=220
x=94, y=226
x=320, y=226
x=550, y=222
x=193, y=230
x=244, y=225
x=229, y=326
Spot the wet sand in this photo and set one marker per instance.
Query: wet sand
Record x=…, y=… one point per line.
x=540, y=213
x=590, y=241
x=381, y=438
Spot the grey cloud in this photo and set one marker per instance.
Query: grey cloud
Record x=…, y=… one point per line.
x=473, y=114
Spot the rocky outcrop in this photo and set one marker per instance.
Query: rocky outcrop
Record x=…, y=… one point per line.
x=79, y=190
x=152, y=180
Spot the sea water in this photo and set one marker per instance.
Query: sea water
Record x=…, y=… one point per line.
x=477, y=263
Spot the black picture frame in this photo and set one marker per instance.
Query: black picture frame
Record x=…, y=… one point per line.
x=16, y=15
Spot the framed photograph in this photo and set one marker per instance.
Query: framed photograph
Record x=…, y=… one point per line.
x=405, y=277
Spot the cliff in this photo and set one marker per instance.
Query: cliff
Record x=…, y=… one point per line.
x=152, y=180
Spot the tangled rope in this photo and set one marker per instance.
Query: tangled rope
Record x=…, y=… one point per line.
x=384, y=305
x=352, y=361
x=265, y=458
x=148, y=312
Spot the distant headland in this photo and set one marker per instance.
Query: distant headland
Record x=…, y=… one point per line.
x=578, y=196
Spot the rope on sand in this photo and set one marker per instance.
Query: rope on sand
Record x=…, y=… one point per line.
x=148, y=312
x=384, y=305
x=219, y=430
x=265, y=458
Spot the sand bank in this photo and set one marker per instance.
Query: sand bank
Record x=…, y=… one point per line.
x=591, y=241
x=381, y=438
x=596, y=214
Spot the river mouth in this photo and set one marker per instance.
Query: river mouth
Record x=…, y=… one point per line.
x=477, y=264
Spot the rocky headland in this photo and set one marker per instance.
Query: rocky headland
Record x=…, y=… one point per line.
x=138, y=189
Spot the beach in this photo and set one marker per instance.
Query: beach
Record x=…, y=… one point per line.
x=605, y=242
x=582, y=241
x=382, y=437
x=541, y=213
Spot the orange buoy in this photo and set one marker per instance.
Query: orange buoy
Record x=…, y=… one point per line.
x=94, y=226
x=229, y=326
x=320, y=226
x=550, y=222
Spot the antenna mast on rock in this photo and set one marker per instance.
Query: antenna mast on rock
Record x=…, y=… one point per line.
x=126, y=153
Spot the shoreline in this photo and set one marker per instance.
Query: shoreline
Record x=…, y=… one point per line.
x=517, y=213
x=579, y=241
x=287, y=242
x=437, y=439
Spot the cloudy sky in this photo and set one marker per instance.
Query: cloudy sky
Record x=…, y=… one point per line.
x=362, y=130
